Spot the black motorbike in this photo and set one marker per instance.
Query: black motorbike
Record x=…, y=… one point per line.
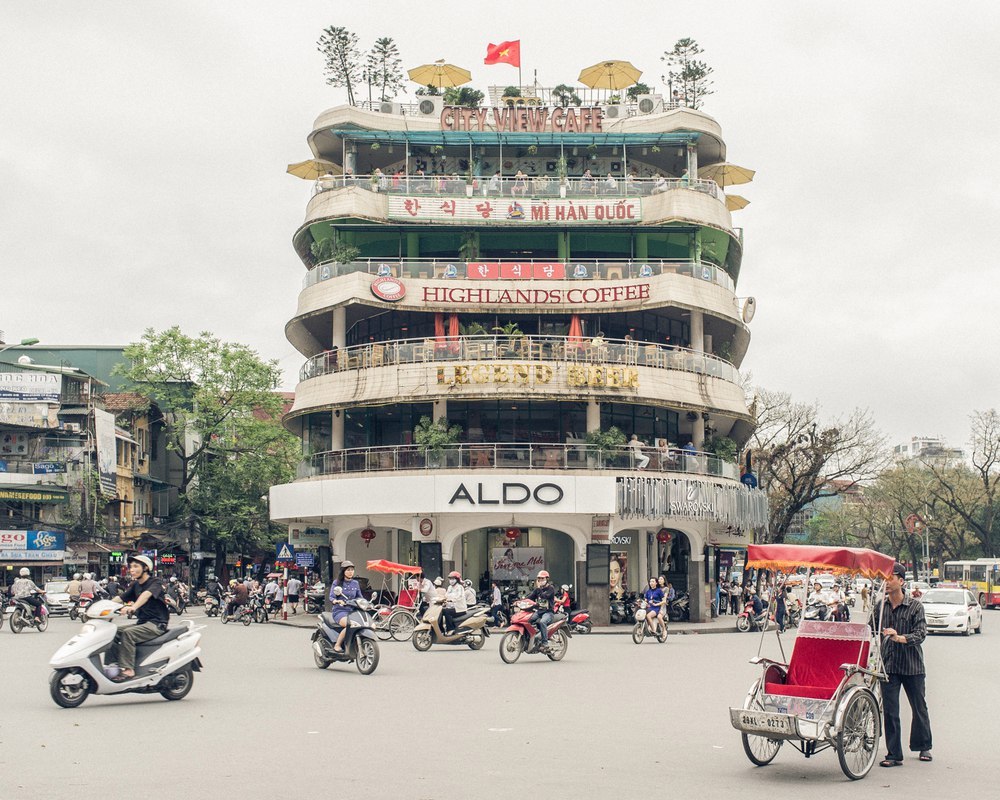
x=679, y=609
x=22, y=615
x=360, y=644
x=622, y=608
x=314, y=602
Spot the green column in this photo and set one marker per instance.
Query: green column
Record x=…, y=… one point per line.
x=562, y=245
x=412, y=245
x=642, y=247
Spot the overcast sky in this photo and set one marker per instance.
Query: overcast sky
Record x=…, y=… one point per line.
x=143, y=150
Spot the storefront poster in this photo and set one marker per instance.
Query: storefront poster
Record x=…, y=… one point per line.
x=516, y=563
x=104, y=430
x=618, y=580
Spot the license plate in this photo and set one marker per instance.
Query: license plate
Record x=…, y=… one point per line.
x=766, y=722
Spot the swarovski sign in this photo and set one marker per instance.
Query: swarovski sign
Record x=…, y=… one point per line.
x=652, y=498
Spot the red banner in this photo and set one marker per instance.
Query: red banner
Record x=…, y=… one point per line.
x=481, y=271
x=513, y=272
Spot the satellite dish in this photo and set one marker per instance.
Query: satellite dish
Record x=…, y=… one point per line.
x=749, y=309
x=25, y=360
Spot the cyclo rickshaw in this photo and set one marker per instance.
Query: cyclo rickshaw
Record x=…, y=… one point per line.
x=395, y=621
x=828, y=694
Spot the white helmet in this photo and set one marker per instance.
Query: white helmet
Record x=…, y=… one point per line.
x=76, y=576
x=25, y=572
x=146, y=561
x=173, y=579
x=565, y=587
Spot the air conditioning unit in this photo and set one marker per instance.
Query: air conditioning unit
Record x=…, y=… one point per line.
x=614, y=112
x=650, y=103
x=72, y=427
x=429, y=106
x=390, y=108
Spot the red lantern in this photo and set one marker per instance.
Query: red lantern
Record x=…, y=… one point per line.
x=367, y=534
x=512, y=534
x=663, y=536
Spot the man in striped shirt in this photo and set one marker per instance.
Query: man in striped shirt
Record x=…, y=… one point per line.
x=904, y=629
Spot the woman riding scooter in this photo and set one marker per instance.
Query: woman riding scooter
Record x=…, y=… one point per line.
x=455, y=603
x=350, y=589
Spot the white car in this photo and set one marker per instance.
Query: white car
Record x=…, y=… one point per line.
x=952, y=611
x=57, y=598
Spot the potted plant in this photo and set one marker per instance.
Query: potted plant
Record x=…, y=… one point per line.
x=592, y=151
x=724, y=449
x=472, y=329
x=562, y=168
x=433, y=437
x=330, y=249
x=376, y=147
x=511, y=330
x=532, y=150
x=602, y=444
x=468, y=250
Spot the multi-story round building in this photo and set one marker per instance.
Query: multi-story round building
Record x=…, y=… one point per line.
x=531, y=276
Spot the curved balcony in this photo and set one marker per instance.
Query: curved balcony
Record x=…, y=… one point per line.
x=531, y=270
x=524, y=349
x=514, y=456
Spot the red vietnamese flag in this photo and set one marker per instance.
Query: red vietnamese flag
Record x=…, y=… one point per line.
x=504, y=53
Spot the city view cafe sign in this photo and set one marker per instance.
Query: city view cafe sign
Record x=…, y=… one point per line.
x=525, y=119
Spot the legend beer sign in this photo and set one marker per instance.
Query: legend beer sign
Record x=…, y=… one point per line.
x=514, y=119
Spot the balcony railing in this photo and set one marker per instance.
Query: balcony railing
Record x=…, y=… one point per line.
x=476, y=455
x=524, y=186
x=521, y=348
x=532, y=269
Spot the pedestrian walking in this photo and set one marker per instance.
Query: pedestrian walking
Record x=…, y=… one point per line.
x=293, y=588
x=864, y=597
x=904, y=629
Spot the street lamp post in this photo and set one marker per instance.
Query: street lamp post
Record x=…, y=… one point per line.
x=22, y=343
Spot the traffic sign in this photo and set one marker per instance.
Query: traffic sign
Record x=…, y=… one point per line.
x=305, y=560
x=283, y=551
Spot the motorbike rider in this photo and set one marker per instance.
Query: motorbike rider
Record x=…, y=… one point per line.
x=112, y=587
x=455, y=602
x=342, y=590
x=544, y=595
x=654, y=602
x=143, y=600
x=755, y=601
x=427, y=592
x=470, y=594
x=88, y=586
x=820, y=596
x=563, y=600
x=73, y=588
x=213, y=588
x=25, y=589
x=239, y=595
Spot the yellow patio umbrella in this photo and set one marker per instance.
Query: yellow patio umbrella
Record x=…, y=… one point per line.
x=310, y=170
x=439, y=74
x=610, y=75
x=734, y=202
x=726, y=174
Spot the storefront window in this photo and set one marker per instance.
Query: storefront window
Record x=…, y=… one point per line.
x=383, y=426
x=647, y=422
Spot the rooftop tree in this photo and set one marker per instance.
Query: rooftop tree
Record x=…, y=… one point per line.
x=686, y=74
x=383, y=70
x=343, y=61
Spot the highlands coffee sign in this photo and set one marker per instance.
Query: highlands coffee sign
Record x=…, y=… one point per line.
x=514, y=119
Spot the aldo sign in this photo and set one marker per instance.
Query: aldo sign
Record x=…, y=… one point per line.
x=491, y=494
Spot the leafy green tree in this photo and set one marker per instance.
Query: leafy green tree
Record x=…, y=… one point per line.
x=383, y=70
x=221, y=423
x=636, y=89
x=343, y=60
x=428, y=91
x=463, y=96
x=686, y=74
x=565, y=95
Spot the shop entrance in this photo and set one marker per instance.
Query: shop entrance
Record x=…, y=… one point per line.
x=488, y=554
x=673, y=559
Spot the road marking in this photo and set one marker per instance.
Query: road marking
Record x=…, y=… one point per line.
x=499, y=730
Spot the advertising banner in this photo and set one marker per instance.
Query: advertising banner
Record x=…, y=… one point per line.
x=104, y=431
x=32, y=387
x=516, y=563
x=523, y=211
x=32, y=546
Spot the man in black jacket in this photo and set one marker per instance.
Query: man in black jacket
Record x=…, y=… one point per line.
x=904, y=629
x=544, y=595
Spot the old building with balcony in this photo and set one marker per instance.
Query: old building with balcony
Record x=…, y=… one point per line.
x=531, y=283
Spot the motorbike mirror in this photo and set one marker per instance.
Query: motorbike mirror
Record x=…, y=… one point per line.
x=338, y=591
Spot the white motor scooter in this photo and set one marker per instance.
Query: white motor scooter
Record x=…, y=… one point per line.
x=165, y=664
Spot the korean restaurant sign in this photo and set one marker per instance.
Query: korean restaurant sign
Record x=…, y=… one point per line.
x=520, y=211
x=591, y=295
x=512, y=119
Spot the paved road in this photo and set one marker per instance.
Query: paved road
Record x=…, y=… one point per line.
x=458, y=724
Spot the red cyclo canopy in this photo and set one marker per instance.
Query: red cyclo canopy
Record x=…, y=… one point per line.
x=381, y=565
x=869, y=563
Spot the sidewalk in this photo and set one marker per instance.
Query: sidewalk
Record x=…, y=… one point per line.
x=723, y=624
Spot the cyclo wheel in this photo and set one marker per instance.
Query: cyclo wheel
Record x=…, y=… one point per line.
x=857, y=741
x=401, y=625
x=759, y=749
